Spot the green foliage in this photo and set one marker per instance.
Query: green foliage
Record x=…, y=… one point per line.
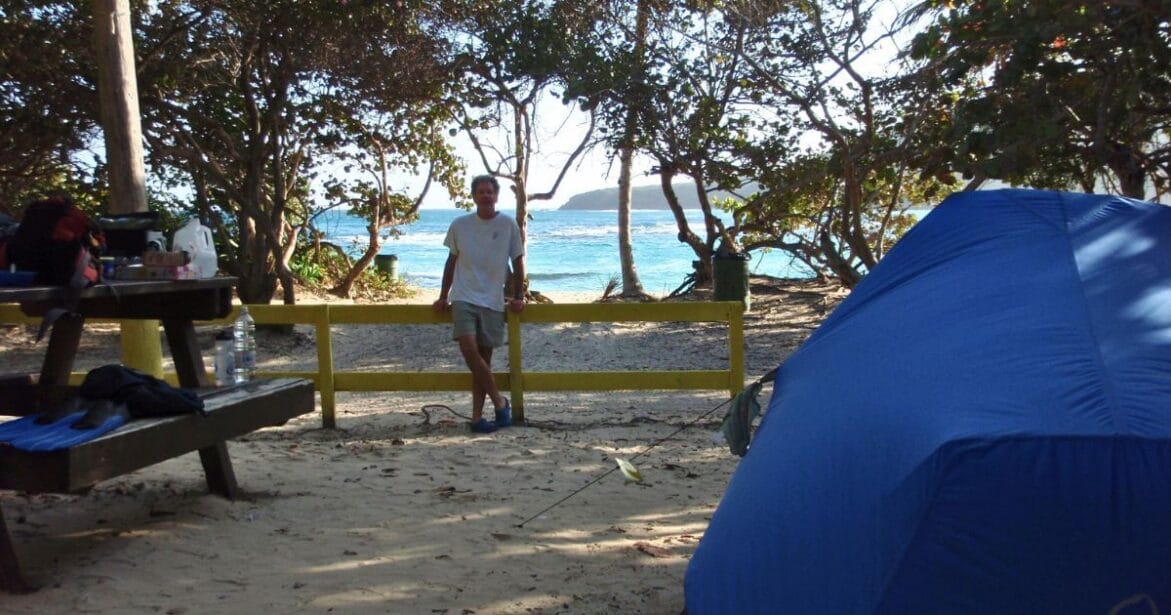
x=515, y=54
x=375, y=285
x=84, y=192
x=831, y=151
x=48, y=102
x=611, y=287
x=307, y=271
x=801, y=210
x=321, y=267
x=247, y=102
x=251, y=108
x=683, y=97
x=1049, y=93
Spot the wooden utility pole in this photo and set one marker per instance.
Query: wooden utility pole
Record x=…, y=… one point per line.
x=118, y=92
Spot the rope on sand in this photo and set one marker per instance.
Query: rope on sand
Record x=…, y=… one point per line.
x=552, y=425
x=616, y=467
x=755, y=385
x=438, y=407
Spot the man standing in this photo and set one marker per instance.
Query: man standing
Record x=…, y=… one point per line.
x=481, y=246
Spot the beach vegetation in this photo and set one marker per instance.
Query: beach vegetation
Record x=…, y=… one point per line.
x=825, y=120
x=319, y=266
x=309, y=272
x=250, y=100
x=1048, y=94
x=676, y=99
x=45, y=104
x=512, y=56
x=609, y=290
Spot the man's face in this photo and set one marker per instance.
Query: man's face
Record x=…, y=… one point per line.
x=484, y=196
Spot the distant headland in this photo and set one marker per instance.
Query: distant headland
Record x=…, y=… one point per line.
x=642, y=197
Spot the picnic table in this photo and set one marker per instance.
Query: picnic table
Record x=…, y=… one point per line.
x=231, y=411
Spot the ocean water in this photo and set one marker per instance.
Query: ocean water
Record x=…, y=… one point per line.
x=568, y=251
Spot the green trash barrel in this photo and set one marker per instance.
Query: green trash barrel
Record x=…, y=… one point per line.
x=731, y=278
x=387, y=263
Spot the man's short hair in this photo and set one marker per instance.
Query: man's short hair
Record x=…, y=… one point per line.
x=485, y=179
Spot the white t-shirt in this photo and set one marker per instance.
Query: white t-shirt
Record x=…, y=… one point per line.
x=484, y=249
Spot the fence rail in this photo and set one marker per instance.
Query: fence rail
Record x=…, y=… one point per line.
x=328, y=380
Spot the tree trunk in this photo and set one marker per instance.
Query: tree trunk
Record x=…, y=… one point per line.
x=1132, y=181
x=703, y=262
x=118, y=89
x=521, y=151
x=837, y=264
x=256, y=283
x=275, y=230
x=631, y=284
x=122, y=129
x=522, y=209
x=346, y=285
x=373, y=246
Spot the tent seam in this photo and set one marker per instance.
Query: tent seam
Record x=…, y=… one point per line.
x=1105, y=376
x=931, y=503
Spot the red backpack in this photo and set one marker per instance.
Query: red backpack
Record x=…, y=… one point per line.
x=58, y=242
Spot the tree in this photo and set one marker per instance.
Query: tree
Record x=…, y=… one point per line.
x=1054, y=93
x=513, y=55
x=627, y=97
x=631, y=285
x=698, y=118
x=833, y=166
x=235, y=97
x=410, y=138
x=799, y=212
x=48, y=102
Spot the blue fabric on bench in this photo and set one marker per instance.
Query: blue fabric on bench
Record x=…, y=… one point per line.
x=25, y=434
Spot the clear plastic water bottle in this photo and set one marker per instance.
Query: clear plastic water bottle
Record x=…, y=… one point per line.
x=225, y=359
x=244, y=345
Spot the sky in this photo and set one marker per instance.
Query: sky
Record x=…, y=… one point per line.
x=558, y=131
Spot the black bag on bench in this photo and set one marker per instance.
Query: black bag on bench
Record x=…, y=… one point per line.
x=143, y=394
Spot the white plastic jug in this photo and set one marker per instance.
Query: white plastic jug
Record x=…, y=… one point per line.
x=195, y=239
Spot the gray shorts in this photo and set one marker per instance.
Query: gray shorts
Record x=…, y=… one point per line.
x=487, y=325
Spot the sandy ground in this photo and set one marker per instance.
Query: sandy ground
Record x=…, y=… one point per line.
x=400, y=509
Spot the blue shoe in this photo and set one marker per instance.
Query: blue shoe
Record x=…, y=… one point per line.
x=504, y=415
x=484, y=426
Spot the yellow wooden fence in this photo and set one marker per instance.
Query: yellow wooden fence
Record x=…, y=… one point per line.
x=329, y=380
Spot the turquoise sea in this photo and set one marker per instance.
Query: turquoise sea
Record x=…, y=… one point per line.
x=568, y=251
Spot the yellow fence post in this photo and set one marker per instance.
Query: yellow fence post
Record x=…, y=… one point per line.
x=736, y=348
x=312, y=314
x=515, y=361
x=325, y=367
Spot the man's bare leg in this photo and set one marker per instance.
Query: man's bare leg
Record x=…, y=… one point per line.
x=479, y=361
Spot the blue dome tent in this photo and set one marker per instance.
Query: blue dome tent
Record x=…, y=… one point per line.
x=982, y=426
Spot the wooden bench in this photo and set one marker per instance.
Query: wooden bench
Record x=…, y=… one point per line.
x=231, y=412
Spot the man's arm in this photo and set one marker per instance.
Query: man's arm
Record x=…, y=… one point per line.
x=518, y=284
x=518, y=277
x=441, y=303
